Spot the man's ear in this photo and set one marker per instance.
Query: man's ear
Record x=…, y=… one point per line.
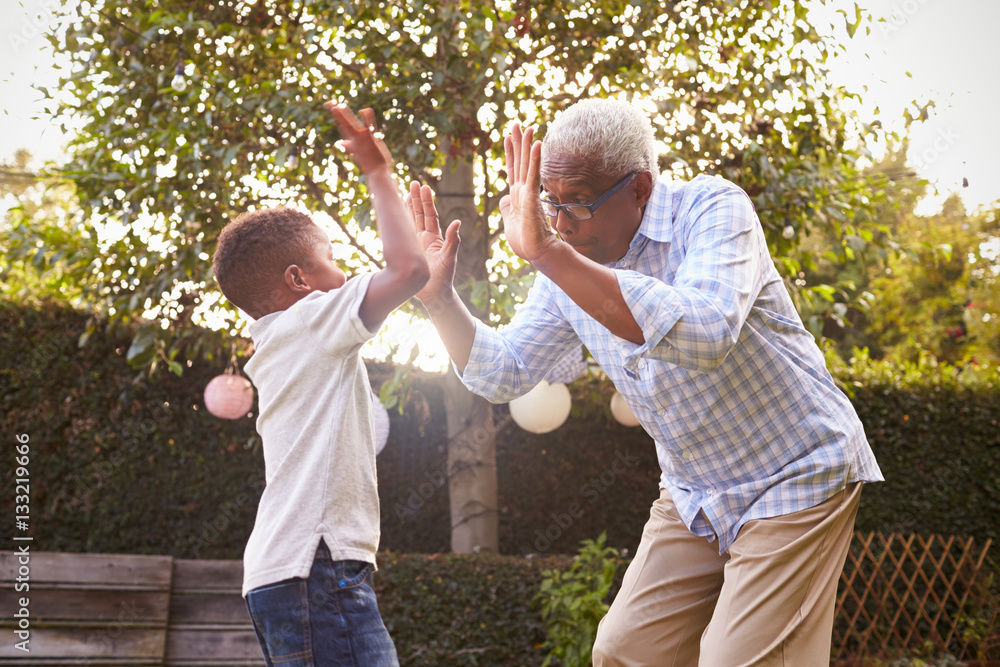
x=643, y=187
x=295, y=279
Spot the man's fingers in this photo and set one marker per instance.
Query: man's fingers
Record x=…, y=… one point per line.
x=533, y=180
x=515, y=143
x=526, y=144
x=508, y=149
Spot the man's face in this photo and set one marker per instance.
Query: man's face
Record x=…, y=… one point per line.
x=605, y=237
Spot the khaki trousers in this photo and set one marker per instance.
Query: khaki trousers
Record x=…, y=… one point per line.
x=768, y=601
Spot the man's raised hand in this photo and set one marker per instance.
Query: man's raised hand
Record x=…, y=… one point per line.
x=525, y=225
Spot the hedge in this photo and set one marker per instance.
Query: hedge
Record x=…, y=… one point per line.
x=450, y=609
x=125, y=465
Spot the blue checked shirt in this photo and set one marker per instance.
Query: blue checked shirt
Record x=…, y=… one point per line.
x=747, y=421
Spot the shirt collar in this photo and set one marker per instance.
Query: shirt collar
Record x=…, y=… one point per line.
x=657, y=220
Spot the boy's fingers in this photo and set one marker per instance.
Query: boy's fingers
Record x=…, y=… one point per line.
x=429, y=210
x=344, y=117
x=412, y=197
x=368, y=117
x=451, y=239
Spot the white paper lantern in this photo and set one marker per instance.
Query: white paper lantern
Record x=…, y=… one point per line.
x=381, y=423
x=622, y=412
x=542, y=409
x=229, y=396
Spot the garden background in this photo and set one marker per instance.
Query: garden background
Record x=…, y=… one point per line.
x=179, y=116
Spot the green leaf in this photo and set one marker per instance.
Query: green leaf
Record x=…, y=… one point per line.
x=142, y=346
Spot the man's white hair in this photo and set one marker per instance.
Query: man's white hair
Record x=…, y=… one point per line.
x=614, y=136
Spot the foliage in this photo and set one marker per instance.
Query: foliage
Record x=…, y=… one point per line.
x=117, y=465
x=460, y=610
x=31, y=201
x=944, y=661
x=929, y=289
x=940, y=297
x=933, y=428
x=573, y=602
x=159, y=169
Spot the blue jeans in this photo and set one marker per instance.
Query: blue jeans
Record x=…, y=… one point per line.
x=331, y=618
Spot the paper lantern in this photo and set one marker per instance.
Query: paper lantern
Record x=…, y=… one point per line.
x=542, y=409
x=229, y=396
x=381, y=423
x=622, y=412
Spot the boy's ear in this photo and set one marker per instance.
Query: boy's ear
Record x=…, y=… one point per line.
x=295, y=279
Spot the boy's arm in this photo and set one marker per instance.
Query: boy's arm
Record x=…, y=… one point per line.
x=405, y=269
x=454, y=323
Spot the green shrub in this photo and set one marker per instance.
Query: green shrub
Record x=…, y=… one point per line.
x=461, y=610
x=573, y=602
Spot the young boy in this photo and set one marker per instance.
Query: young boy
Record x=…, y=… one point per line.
x=309, y=561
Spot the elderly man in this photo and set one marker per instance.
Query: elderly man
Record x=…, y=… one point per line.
x=671, y=287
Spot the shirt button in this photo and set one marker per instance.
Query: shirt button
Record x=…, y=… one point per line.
x=690, y=457
x=661, y=412
x=710, y=491
x=642, y=363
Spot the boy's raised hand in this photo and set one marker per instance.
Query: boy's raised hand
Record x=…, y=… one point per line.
x=440, y=251
x=358, y=137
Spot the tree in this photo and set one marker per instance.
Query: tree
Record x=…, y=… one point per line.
x=736, y=90
x=36, y=205
x=938, y=300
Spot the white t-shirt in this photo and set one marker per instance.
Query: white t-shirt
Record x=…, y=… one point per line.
x=316, y=422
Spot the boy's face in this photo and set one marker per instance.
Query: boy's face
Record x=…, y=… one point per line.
x=322, y=272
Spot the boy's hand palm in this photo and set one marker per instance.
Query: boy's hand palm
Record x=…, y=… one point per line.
x=440, y=251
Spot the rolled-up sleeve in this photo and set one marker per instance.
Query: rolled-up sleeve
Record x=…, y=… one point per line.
x=696, y=321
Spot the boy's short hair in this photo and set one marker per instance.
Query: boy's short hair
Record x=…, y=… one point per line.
x=253, y=251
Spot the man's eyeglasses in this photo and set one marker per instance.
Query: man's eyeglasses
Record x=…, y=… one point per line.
x=583, y=211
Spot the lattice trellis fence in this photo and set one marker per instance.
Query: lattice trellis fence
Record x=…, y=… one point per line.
x=900, y=593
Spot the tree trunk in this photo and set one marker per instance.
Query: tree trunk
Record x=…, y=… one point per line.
x=472, y=475
x=472, y=471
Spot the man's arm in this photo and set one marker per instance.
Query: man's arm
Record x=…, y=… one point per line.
x=590, y=285
x=405, y=269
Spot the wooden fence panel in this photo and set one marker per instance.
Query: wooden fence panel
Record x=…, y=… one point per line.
x=209, y=623
x=95, y=609
x=899, y=593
